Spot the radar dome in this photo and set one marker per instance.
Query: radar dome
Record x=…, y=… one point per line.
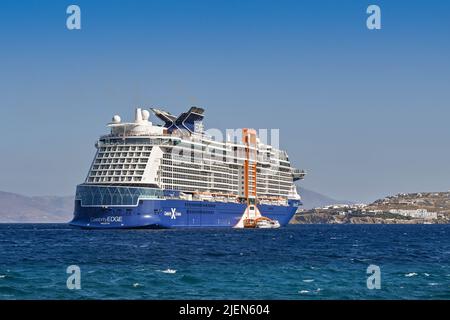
x=145, y=115
x=116, y=119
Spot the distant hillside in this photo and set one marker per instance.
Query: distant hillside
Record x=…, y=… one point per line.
x=430, y=201
x=18, y=208
x=312, y=199
x=405, y=208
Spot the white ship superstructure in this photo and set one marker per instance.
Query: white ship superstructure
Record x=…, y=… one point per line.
x=180, y=156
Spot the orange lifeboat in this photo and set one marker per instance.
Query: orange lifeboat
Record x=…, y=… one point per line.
x=249, y=223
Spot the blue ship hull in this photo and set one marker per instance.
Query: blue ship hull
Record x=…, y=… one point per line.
x=174, y=214
x=106, y=207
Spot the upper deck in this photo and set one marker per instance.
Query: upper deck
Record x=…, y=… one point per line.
x=142, y=154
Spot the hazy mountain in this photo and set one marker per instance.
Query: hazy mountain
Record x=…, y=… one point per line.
x=19, y=208
x=312, y=199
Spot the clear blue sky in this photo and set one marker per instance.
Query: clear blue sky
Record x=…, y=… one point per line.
x=366, y=113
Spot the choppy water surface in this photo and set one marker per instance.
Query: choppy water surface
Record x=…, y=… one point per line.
x=296, y=262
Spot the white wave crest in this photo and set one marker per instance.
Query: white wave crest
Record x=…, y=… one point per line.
x=171, y=271
x=411, y=274
x=303, y=291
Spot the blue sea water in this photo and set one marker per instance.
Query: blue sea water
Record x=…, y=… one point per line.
x=296, y=262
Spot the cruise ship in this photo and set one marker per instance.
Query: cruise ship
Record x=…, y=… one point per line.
x=175, y=175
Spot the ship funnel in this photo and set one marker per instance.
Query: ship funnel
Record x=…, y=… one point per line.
x=138, y=115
